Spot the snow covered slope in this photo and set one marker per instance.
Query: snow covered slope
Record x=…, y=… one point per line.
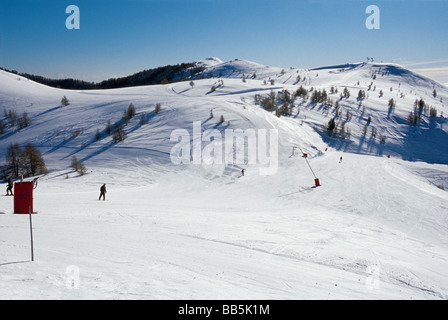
x=376, y=228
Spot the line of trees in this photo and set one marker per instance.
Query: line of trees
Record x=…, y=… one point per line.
x=165, y=74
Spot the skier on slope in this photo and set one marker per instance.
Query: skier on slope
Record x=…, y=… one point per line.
x=9, y=188
x=103, y=192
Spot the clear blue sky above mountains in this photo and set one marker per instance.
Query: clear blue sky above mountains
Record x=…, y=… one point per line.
x=121, y=37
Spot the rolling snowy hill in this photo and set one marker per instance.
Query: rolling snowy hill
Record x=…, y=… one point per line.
x=376, y=228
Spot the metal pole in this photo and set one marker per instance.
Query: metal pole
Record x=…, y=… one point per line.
x=31, y=233
x=306, y=158
x=310, y=168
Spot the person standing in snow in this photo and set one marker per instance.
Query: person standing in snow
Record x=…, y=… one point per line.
x=9, y=188
x=340, y=159
x=103, y=192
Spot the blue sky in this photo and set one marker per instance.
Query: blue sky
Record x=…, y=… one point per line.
x=118, y=37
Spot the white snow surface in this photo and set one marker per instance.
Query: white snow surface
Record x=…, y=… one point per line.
x=377, y=228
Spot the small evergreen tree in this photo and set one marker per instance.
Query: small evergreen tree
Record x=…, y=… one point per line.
x=119, y=133
x=131, y=111
x=108, y=127
x=302, y=92
x=64, y=101
x=361, y=94
x=158, y=108
x=391, y=103
x=421, y=104
x=331, y=125
x=125, y=118
x=364, y=130
x=98, y=135
x=413, y=118
x=143, y=120
x=432, y=112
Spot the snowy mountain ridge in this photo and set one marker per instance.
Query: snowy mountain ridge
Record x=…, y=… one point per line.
x=375, y=228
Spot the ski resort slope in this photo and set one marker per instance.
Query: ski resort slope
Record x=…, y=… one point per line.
x=375, y=229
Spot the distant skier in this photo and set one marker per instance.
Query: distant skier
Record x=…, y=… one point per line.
x=9, y=188
x=103, y=192
x=340, y=159
x=242, y=172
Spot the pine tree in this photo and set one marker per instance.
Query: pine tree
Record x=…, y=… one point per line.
x=64, y=101
x=391, y=103
x=143, y=120
x=131, y=111
x=421, y=104
x=108, y=127
x=331, y=125
x=433, y=112
x=413, y=118
x=302, y=92
x=361, y=94
x=125, y=118
x=158, y=108
x=119, y=133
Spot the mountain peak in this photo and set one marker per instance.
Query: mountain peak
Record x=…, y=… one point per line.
x=208, y=62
